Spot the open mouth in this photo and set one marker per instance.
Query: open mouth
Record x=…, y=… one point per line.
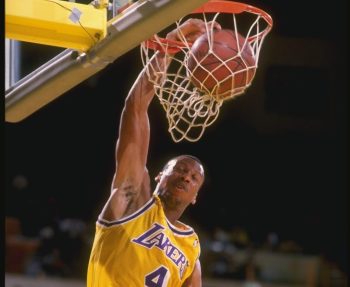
x=181, y=187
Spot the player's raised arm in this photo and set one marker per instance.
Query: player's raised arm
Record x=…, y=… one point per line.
x=130, y=187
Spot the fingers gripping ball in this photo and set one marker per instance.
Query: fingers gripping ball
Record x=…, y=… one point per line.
x=224, y=70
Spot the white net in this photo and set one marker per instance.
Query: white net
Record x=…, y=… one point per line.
x=198, y=81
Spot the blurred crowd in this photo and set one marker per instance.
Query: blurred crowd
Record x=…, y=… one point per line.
x=58, y=249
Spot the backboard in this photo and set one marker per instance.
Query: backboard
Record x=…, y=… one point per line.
x=128, y=28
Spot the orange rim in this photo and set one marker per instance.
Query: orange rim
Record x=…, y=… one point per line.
x=213, y=6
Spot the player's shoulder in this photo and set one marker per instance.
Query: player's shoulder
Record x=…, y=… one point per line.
x=181, y=229
x=183, y=226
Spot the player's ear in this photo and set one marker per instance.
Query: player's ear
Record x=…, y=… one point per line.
x=194, y=200
x=158, y=177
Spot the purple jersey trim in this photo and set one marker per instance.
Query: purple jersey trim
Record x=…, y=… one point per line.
x=128, y=218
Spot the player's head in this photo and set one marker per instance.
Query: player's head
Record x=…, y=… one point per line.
x=184, y=156
x=180, y=181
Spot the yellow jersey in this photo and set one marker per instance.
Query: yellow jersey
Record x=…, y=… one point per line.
x=142, y=249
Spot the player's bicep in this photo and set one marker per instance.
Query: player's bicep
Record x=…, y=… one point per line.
x=125, y=200
x=130, y=167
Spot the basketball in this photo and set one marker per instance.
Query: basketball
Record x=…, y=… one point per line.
x=221, y=71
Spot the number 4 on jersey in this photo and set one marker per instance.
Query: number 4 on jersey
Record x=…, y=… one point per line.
x=157, y=278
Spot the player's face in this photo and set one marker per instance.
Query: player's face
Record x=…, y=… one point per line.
x=182, y=180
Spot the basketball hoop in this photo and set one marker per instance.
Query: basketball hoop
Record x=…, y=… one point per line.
x=191, y=108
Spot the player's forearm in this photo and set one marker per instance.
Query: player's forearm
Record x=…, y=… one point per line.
x=134, y=130
x=143, y=89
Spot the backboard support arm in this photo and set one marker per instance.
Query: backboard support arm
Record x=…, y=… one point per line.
x=141, y=21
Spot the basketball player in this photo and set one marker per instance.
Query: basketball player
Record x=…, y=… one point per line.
x=139, y=239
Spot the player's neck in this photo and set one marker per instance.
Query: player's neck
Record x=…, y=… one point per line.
x=172, y=214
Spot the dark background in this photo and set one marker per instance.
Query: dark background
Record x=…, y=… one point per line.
x=276, y=158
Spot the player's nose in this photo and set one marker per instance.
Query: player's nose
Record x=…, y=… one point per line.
x=186, y=176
